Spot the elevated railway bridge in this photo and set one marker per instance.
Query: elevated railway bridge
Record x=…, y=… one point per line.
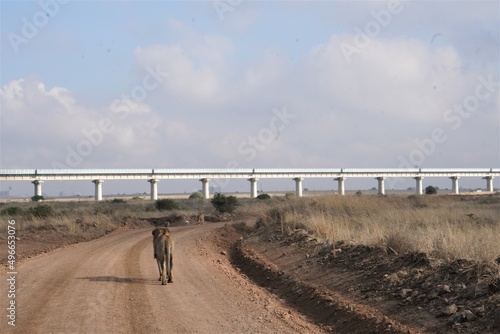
x=205, y=175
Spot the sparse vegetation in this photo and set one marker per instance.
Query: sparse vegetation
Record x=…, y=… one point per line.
x=118, y=200
x=447, y=227
x=223, y=203
x=196, y=195
x=430, y=190
x=83, y=219
x=11, y=211
x=37, y=198
x=242, y=227
x=166, y=204
x=42, y=211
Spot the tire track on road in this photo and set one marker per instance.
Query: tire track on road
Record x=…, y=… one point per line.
x=57, y=291
x=140, y=309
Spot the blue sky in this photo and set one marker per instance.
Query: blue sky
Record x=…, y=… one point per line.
x=364, y=84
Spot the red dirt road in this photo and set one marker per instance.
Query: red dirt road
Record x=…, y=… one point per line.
x=110, y=285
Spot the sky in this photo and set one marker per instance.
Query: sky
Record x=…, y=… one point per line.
x=251, y=84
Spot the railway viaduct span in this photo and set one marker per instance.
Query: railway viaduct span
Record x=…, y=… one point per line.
x=153, y=176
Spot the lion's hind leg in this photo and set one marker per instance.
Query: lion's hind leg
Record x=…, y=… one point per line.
x=163, y=273
x=159, y=268
x=171, y=265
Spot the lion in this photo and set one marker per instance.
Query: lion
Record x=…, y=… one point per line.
x=201, y=218
x=163, y=246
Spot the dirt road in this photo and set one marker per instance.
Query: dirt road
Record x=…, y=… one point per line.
x=109, y=285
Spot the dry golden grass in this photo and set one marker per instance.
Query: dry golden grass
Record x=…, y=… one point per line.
x=76, y=218
x=447, y=227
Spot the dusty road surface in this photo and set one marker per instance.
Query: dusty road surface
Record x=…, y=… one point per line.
x=110, y=285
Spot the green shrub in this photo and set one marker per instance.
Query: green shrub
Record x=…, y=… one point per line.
x=196, y=195
x=118, y=200
x=12, y=211
x=290, y=195
x=166, y=204
x=223, y=203
x=37, y=198
x=430, y=190
x=263, y=196
x=42, y=211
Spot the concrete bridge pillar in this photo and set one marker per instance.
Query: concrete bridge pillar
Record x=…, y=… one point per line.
x=489, y=183
x=381, y=185
x=206, y=191
x=341, y=185
x=419, y=184
x=454, y=184
x=98, y=189
x=38, y=187
x=154, y=189
x=298, y=186
x=253, y=187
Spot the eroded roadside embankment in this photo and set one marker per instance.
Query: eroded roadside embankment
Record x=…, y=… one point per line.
x=334, y=312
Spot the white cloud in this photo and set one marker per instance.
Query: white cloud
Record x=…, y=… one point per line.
x=29, y=108
x=397, y=86
x=63, y=97
x=365, y=113
x=265, y=75
x=187, y=79
x=403, y=78
x=40, y=126
x=124, y=107
x=198, y=64
x=179, y=131
x=12, y=95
